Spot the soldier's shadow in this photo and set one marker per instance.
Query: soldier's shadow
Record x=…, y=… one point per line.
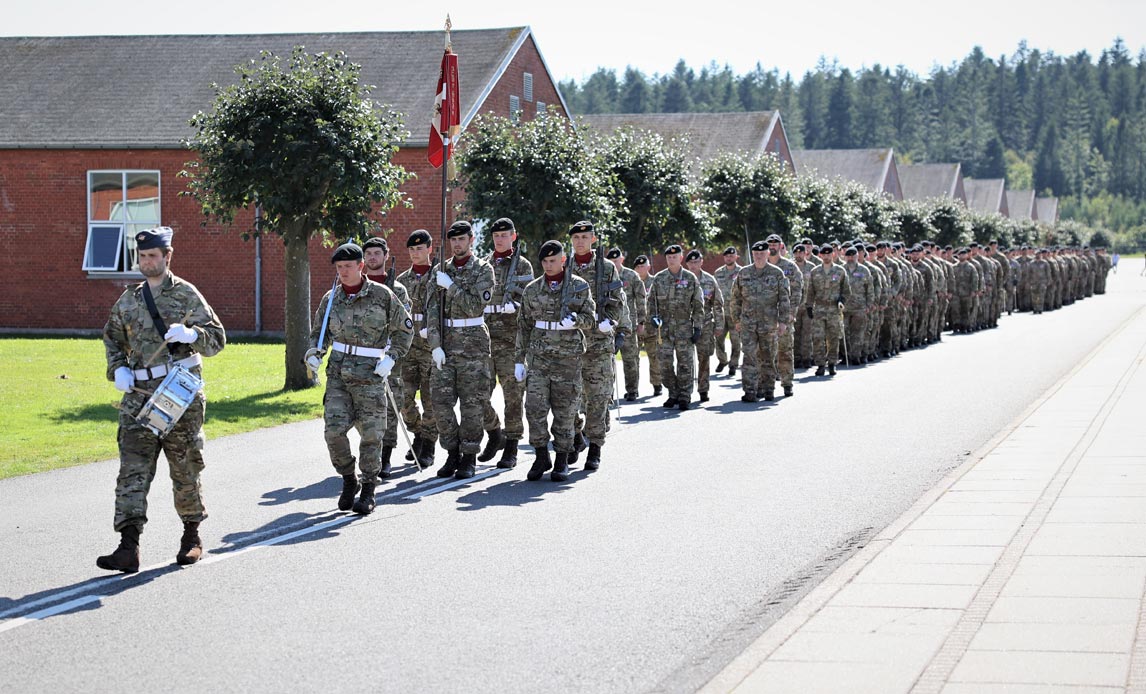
x=517, y=492
x=328, y=488
x=284, y=525
x=86, y=595
x=736, y=406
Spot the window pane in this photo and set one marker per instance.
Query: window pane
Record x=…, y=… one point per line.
x=103, y=247
x=130, y=252
x=105, y=196
x=143, y=196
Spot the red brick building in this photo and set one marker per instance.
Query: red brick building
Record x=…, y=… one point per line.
x=90, y=150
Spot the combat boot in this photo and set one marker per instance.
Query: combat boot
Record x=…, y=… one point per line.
x=820, y=370
x=720, y=366
x=495, y=441
x=769, y=395
x=349, y=490
x=384, y=471
x=631, y=396
x=410, y=453
x=560, y=468
x=670, y=403
x=467, y=468
x=683, y=405
x=453, y=459
x=831, y=369
x=190, y=546
x=731, y=370
x=657, y=390
x=509, y=455
x=125, y=558
x=593, y=457
x=787, y=391
x=749, y=397
x=424, y=452
x=365, y=504
x=704, y=396
x=540, y=464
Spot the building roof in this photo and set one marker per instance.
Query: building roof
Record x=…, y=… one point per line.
x=1046, y=210
x=987, y=195
x=925, y=181
x=874, y=168
x=708, y=134
x=1021, y=204
x=140, y=91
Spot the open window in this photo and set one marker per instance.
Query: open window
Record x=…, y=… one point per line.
x=120, y=205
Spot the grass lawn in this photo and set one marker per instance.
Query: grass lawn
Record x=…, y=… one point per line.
x=59, y=408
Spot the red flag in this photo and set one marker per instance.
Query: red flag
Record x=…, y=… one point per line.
x=447, y=111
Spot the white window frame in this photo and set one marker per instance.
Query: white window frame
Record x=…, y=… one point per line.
x=514, y=108
x=527, y=87
x=124, y=264
x=541, y=108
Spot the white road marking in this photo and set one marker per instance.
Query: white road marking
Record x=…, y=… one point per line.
x=456, y=483
x=49, y=612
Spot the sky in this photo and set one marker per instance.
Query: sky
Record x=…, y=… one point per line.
x=577, y=38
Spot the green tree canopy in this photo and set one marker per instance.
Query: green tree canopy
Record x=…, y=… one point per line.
x=751, y=197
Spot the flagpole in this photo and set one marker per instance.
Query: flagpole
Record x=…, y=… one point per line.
x=445, y=133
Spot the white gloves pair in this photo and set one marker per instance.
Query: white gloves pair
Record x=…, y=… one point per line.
x=509, y=307
x=313, y=359
x=439, y=357
x=519, y=372
x=177, y=332
x=124, y=379
x=443, y=280
x=568, y=321
x=605, y=326
x=384, y=367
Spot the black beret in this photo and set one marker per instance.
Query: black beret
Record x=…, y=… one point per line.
x=460, y=228
x=974, y=245
x=870, y=248
x=641, y=260
x=731, y=250
x=806, y=241
x=816, y=249
x=850, y=250
x=159, y=237
x=376, y=241
x=347, y=251
x=993, y=242
x=947, y=247
x=419, y=237
x=760, y=246
x=961, y=251
x=774, y=238
x=826, y=248
x=673, y=248
x=503, y=224
x=880, y=244
x=834, y=242
x=799, y=248
x=581, y=226
x=613, y=253
x=917, y=248
x=550, y=248
x=694, y=254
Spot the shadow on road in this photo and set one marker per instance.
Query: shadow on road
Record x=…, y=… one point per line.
x=284, y=525
x=103, y=586
x=517, y=492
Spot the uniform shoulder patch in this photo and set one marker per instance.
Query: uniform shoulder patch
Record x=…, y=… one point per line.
x=409, y=323
x=486, y=295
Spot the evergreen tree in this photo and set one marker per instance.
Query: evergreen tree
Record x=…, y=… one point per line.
x=841, y=112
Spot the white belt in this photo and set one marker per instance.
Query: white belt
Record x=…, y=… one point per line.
x=356, y=351
x=499, y=308
x=146, y=374
x=465, y=322
x=552, y=325
x=418, y=316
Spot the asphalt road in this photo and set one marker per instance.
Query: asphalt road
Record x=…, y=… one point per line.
x=700, y=530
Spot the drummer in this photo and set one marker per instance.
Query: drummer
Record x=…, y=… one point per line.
x=158, y=322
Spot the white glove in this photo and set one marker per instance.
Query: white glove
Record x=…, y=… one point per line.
x=444, y=280
x=568, y=321
x=605, y=326
x=124, y=379
x=384, y=367
x=177, y=332
x=313, y=359
x=509, y=308
x=519, y=372
x=423, y=333
x=439, y=357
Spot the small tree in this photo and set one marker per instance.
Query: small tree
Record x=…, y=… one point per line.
x=305, y=144
x=751, y=197
x=951, y=221
x=541, y=173
x=878, y=215
x=829, y=213
x=915, y=222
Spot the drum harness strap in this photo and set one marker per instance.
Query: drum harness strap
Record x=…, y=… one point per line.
x=149, y=373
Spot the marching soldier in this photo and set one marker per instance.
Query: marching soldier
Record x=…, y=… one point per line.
x=417, y=365
x=376, y=253
x=651, y=336
x=861, y=297
x=502, y=325
x=598, y=362
x=725, y=275
x=967, y=285
x=461, y=356
x=677, y=300
x=828, y=292
x=803, y=330
x=636, y=296
x=162, y=309
x=785, y=354
x=368, y=330
x=713, y=319
x=761, y=306
x=555, y=309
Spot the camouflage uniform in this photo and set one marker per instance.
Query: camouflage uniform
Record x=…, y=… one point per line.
x=803, y=331
x=786, y=343
x=355, y=396
x=827, y=289
x=551, y=354
x=1038, y=277
x=637, y=298
x=678, y=301
x=760, y=301
x=129, y=337
x=598, y=362
x=503, y=339
x=861, y=297
x=390, y=438
x=713, y=326
x=967, y=284
x=725, y=276
x=466, y=374
x=417, y=365
x=650, y=341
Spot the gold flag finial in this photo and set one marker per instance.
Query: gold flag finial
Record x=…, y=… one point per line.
x=449, y=25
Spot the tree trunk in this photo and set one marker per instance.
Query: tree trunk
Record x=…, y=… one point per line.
x=297, y=313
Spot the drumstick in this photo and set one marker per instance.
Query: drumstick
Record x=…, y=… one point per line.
x=162, y=346
x=148, y=393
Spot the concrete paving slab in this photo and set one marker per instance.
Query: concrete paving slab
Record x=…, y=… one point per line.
x=963, y=538
x=1061, y=610
x=950, y=507
x=1042, y=667
x=1090, y=539
x=850, y=619
x=1085, y=510
x=935, y=521
x=905, y=595
x=884, y=571
x=785, y=677
x=921, y=554
x=1081, y=638
x=1011, y=688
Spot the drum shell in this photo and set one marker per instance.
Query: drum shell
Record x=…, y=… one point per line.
x=170, y=400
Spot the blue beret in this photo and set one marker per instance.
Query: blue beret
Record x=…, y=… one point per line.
x=159, y=237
